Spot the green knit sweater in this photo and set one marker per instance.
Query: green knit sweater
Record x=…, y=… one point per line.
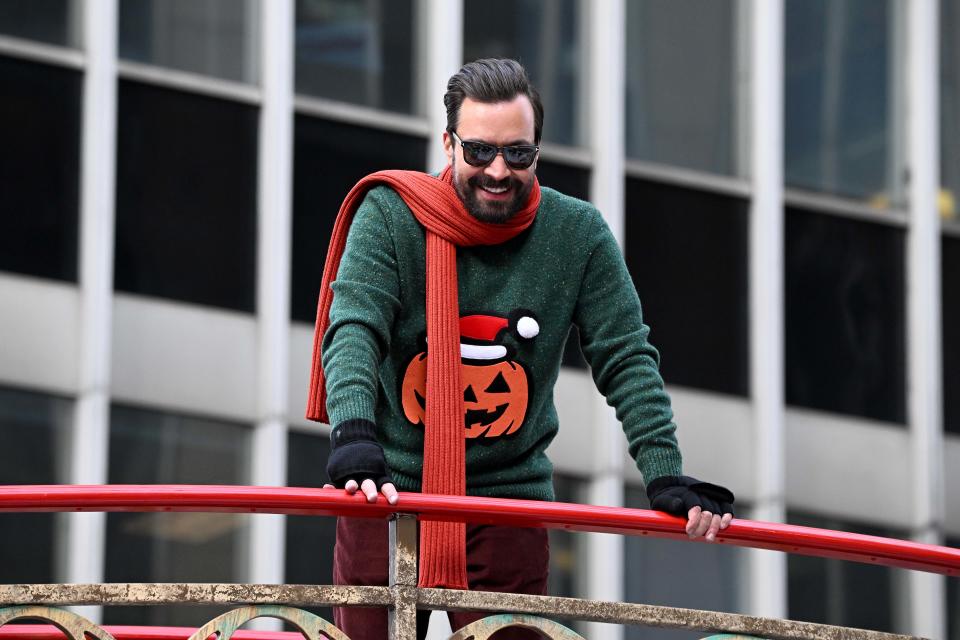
x=566, y=268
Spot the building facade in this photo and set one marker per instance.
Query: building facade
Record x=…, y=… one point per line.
x=782, y=176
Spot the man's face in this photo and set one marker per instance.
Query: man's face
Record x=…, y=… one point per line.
x=496, y=192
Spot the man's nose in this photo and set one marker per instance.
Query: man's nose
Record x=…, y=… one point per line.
x=497, y=169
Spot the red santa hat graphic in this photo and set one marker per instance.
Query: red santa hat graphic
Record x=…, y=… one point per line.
x=479, y=333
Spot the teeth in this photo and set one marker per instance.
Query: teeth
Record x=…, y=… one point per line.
x=494, y=189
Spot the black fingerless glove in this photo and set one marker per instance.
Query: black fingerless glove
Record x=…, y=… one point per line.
x=678, y=494
x=356, y=454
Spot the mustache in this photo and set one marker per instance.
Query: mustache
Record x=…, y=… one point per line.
x=481, y=180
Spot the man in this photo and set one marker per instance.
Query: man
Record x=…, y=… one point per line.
x=452, y=301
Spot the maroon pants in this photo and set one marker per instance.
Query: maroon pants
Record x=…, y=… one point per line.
x=502, y=559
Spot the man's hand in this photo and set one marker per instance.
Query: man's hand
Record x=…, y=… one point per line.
x=708, y=507
x=357, y=461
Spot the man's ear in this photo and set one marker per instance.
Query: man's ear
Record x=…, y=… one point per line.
x=448, y=146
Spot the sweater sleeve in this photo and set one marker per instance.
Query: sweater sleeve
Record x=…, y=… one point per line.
x=366, y=298
x=623, y=363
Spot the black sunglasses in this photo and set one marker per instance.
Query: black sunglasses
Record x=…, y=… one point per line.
x=480, y=154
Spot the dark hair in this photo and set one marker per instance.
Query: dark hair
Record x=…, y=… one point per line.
x=491, y=80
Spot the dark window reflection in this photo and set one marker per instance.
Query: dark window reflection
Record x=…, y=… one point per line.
x=39, y=168
x=212, y=37
x=573, y=181
x=839, y=67
x=687, y=253
x=681, y=84
x=837, y=592
x=950, y=284
x=34, y=430
x=950, y=107
x=310, y=539
x=186, y=197
x=150, y=447
x=566, y=547
x=676, y=573
x=845, y=316
x=329, y=158
x=51, y=21
x=545, y=38
x=359, y=51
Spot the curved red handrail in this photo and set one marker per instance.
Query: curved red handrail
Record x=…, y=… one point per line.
x=522, y=513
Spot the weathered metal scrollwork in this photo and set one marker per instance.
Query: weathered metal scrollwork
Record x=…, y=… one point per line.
x=313, y=627
x=484, y=628
x=75, y=626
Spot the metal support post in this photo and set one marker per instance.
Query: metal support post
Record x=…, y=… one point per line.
x=402, y=616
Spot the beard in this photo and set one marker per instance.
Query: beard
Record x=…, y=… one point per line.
x=496, y=212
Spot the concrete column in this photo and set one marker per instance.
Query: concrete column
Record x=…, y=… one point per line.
x=767, y=569
x=266, y=552
x=90, y=435
x=441, y=55
x=924, y=343
x=605, y=72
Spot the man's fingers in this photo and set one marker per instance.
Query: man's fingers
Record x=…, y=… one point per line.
x=706, y=519
x=390, y=493
x=693, y=518
x=700, y=524
x=714, y=528
x=726, y=520
x=369, y=488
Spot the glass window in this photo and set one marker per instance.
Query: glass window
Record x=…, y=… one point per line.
x=845, y=316
x=39, y=169
x=687, y=253
x=567, y=547
x=359, y=51
x=310, y=539
x=544, y=36
x=950, y=286
x=950, y=110
x=50, y=21
x=676, y=573
x=849, y=594
x=842, y=125
x=186, y=197
x=34, y=428
x=152, y=447
x=212, y=37
x=682, y=79
x=329, y=158
x=573, y=181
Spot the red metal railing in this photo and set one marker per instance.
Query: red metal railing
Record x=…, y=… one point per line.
x=523, y=513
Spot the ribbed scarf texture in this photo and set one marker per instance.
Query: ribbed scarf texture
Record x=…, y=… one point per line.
x=436, y=205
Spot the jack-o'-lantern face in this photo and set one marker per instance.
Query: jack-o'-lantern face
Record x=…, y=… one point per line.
x=495, y=396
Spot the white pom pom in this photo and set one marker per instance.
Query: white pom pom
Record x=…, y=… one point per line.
x=527, y=327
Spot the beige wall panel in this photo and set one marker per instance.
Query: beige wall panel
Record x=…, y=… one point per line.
x=39, y=323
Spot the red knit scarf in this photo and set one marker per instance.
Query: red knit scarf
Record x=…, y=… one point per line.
x=438, y=208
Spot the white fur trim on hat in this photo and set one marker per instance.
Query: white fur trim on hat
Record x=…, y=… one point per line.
x=482, y=351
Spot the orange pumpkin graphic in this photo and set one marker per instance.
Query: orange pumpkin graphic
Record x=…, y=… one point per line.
x=495, y=396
